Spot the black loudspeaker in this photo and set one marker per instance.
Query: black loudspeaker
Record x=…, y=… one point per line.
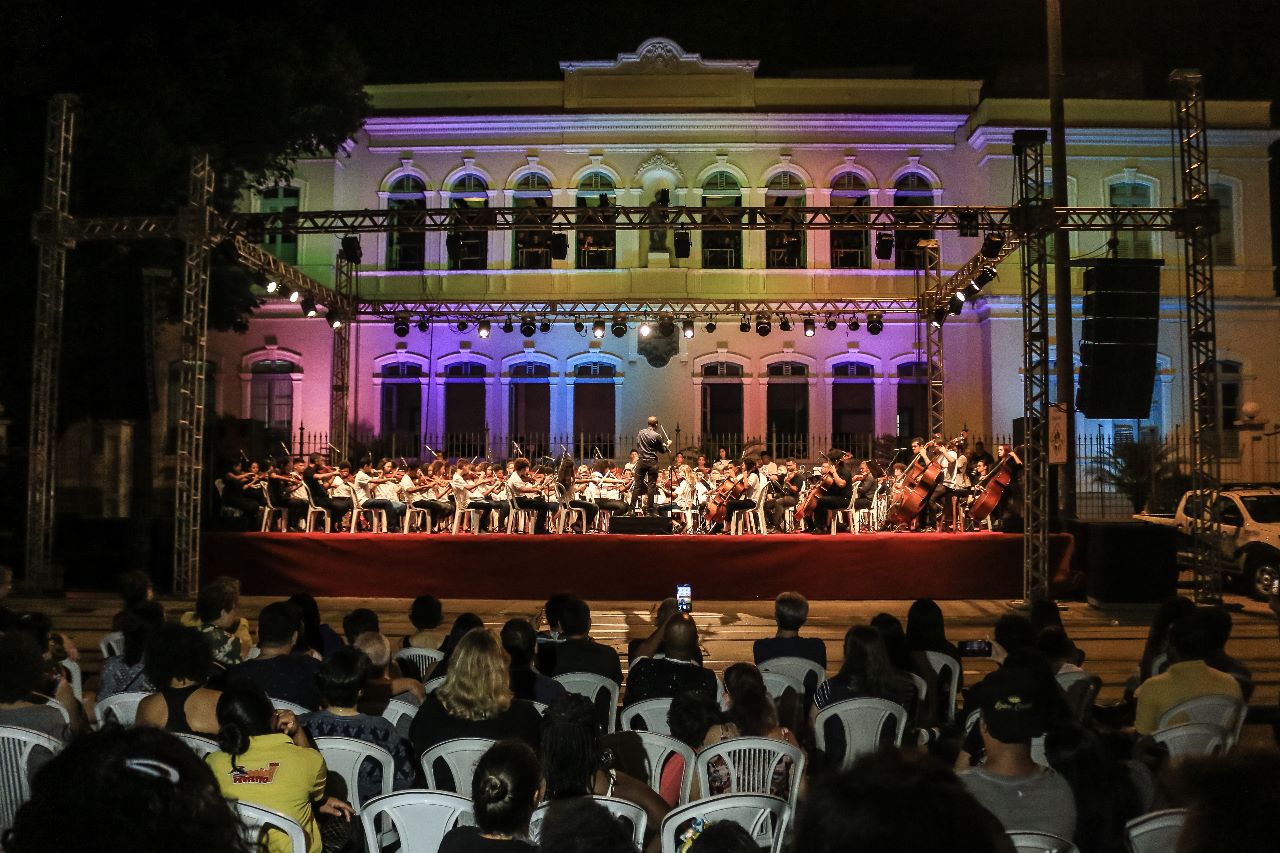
x=640, y=525
x=351, y=252
x=559, y=246
x=682, y=244
x=453, y=246
x=1118, y=338
x=1128, y=562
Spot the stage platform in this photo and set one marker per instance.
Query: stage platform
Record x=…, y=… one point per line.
x=614, y=567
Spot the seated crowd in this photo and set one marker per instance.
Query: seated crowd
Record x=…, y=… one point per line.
x=1016, y=751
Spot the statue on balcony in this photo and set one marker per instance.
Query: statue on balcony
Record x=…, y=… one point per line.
x=658, y=215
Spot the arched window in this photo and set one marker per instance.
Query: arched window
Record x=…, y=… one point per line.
x=853, y=404
x=1230, y=393
x=529, y=406
x=911, y=190
x=406, y=250
x=532, y=246
x=465, y=429
x=1224, y=242
x=722, y=407
x=271, y=393
x=468, y=249
x=596, y=247
x=401, y=411
x=1133, y=244
x=784, y=249
x=787, y=409
x=722, y=247
x=913, y=399
x=849, y=249
x=594, y=404
x=283, y=243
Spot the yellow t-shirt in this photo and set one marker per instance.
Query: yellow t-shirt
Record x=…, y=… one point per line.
x=189, y=619
x=278, y=775
x=1180, y=682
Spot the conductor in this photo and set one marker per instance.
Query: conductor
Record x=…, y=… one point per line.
x=649, y=444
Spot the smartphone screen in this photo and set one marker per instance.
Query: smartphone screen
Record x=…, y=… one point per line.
x=684, y=598
x=975, y=648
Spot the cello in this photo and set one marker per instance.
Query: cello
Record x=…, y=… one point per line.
x=718, y=500
x=918, y=483
x=993, y=487
x=810, y=502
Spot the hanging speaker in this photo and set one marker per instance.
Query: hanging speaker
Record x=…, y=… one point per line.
x=1118, y=339
x=559, y=246
x=682, y=244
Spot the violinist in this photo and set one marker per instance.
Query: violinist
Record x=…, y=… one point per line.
x=295, y=487
x=789, y=484
x=239, y=494
x=609, y=485
x=582, y=497
x=954, y=485
x=471, y=488
x=528, y=494
x=435, y=498
x=836, y=495
x=384, y=490
x=750, y=491
x=317, y=476
x=342, y=492
x=723, y=463
x=867, y=485
x=701, y=467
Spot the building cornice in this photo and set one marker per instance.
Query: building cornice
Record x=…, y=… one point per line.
x=1131, y=137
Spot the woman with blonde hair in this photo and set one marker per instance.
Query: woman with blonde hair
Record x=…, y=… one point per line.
x=475, y=699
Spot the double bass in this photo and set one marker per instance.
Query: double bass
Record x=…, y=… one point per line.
x=993, y=487
x=918, y=483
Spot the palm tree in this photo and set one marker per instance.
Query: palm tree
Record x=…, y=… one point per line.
x=1140, y=470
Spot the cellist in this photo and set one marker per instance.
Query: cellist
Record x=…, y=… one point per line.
x=837, y=494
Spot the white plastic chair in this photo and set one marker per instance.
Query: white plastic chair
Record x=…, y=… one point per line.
x=848, y=513
x=1081, y=690
x=777, y=683
x=271, y=514
x=658, y=750
x=422, y=659
x=589, y=684
x=434, y=683
x=460, y=755
x=1191, y=739
x=77, y=680
x=520, y=520
x=401, y=714
x=634, y=816
x=313, y=510
x=345, y=756
x=418, y=819
x=648, y=716
x=751, y=762
x=762, y=815
x=1040, y=842
x=199, y=744
x=1225, y=711
x=283, y=705
x=863, y=721
x=460, y=511
x=111, y=644
x=258, y=820
x=947, y=670
x=16, y=746
x=807, y=672
x=61, y=709
x=1157, y=832
x=121, y=707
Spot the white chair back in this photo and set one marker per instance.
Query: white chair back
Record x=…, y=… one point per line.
x=1225, y=711
x=61, y=709
x=778, y=683
x=1081, y=690
x=762, y=815
x=1191, y=739
x=864, y=722
x=922, y=688
x=77, y=680
x=283, y=705
x=120, y=707
x=647, y=716
x=460, y=755
x=419, y=819
x=947, y=670
x=423, y=660
x=751, y=762
x=199, y=744
x=658, y=750
x=1157, y=832
x=603, y=692
x=1040, y=842
x=431, y=685
x=634, y=817
x=346, y=755
x=401, y=714
x=803, y=670
x=111, y=644
x=257, y=820
x=16, y=746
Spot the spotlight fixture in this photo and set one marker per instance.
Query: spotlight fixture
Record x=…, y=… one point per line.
x=308, y=307
x=544, y=326
x=687, y=328
x=273, y=286
x=984, y=277
x=424, y=326
x=619, y=327
x=745, y=325
x=461, y=326
x=294, y=296
x=763, y=326
x=785, y=325
x=831, y=324
x=482, y=328
x=579, y=326
x=969, y=292
x=711, y=326
x=939, y=317
x=527, y=327
x=597, y=329
x=991, y=244
x=401, y=327
x=956, y=304
x=335, y=319
x=875, y=323
x=884, y=245
x=666, y=327
x=645, y=329
x=506, y=326
x=854, y=325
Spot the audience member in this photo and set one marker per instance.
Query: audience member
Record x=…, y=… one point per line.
x=895, y=802
x=1044, y=614
x=1232, y=801
x=895, y=641
x=192, y=619
x=926, y=632
x=751, y=713
x=1013, y=633
x=1156, y=647
x=464, y=623
x=475, y=699
x=1058, y=648
x=125, y=672
x=723, y=836
x=55, y=680
x=550, y=638
x=216, y=609
x=578, y=652
x=121, y=790
x=21, y=669
x=581, y=825
x=425, y=614
x=651, y=646
x=666, y=677
x=1103, y=787
x=264, y=759
x=341, y=680
x=283, y=673
x=359, y=621
x=317, y=638
x=135, y=587
x=1217, y=625
x=505, y=790
x=690, y=718
x=519, y=642
x=381, y=686
x=1022, y=794
x=7, y=617
x=866, y=672
x=178, y=662
x=1187, y=677
x=790, y=612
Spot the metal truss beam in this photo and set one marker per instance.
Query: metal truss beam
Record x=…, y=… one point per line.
x=52, y=233
x=706, y=310
x=961, y=278
x=189, y=472
x=258, y=259
x=1029, y=154
x=1202, y=341
x=340, y=361
x=929, y=284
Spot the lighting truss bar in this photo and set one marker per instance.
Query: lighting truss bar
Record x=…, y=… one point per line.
x=258, y=259
x=961, y=278
x=340, y=360
x=442, y=311
x=929, y=278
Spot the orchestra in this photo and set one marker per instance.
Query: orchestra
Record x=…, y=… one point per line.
x=942, y=487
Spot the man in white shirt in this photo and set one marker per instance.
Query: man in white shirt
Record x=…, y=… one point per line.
x=298, y=503
x=585, y=492
x=608, y=494
x=527, y=494
x=954, y=485
x=386, y=494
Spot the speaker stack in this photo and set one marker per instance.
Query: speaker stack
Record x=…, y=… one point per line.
x=1118, y=341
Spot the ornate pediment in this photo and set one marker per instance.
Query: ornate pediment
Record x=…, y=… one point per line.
x=658, y=160
x=659, y=75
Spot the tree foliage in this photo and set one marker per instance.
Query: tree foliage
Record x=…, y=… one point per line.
x=1145, y=471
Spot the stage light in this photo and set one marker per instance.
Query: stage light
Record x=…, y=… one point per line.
x=619, y=327
x=308, y=307
x=745, y=325
x=401, y=327
x=294, y=296
x=507, y=327
x=482, y=328
x=984, y=277
x=544, y=326
x=875, y=323
x=645, y=329
x=597, y=329
x=461, y=325
x=687, y=328
x=273, y=286
x=831, y=324
x=527, y=327
x=992, y=244
x=763, y=326
x=579, y=326
x=854, y=325
x=711, y=326
x=335, y=320
x=666, y=327
x=884, y=245
x=810, y=327
x=956, y=304
x=785, y=325
x=939, y=317
x=424, y=326
x=970, y=292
